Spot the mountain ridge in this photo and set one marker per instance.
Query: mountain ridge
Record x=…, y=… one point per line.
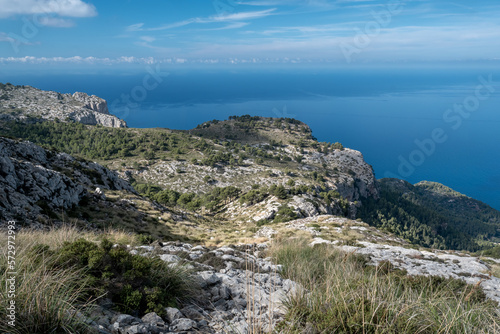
x=225, y=207
x=25, y=103
x=252, y=169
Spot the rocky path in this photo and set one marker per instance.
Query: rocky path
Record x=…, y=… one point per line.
x=242, y=292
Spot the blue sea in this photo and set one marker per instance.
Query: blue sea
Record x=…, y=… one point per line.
x=436, y=124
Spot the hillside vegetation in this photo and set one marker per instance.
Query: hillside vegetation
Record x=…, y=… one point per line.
x=432, y=215
x=251, y=169
x=272, y=157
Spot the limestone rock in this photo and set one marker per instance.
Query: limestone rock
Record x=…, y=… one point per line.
x=235, y=297
x=182, y=324
x=92, y=102
x=172, y=314
x=27, y=102
x=153, y=319
x=34, y=181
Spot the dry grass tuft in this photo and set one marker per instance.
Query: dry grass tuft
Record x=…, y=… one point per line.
x=344, y=295
x=47, y=300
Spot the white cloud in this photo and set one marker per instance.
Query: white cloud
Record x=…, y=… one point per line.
x=318, y=43
x=67, y=8
x=135, y=27
x=234, y=25
x=212, y=19
x=75, y=60
x=148, y=39
x=56, y=22
x=239, y=16
x=5, y=38
x=321, y=43
x=170, y=26
x=321, y=3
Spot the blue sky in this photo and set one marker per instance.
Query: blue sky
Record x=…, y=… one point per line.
x=248, y=31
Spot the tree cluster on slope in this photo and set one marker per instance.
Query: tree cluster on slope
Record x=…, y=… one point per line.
x=420, y=217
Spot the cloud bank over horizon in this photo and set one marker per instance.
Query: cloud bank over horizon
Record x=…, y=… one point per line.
x=264, y=31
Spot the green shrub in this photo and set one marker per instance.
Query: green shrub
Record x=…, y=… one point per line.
x=167, y=197
x=278, y=191
x=262, y=222
x=284, y=214
x=145, y=239
x=136, y=284
x=491, y=252
x=185, y=199
x=253, y=196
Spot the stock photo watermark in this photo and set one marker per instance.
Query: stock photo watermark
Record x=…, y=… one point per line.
x=224, y=7
x=454, y=117
x=32, y=25
x=29, y=30
x=372, y=29
x=10, y=282
x=152, y=79
x=283, y=113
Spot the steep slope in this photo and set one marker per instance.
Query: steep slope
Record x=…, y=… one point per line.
x=456, y=205
x=433, y=215
x=272, y=153
x=25, y=102
x=251, y=170
x=41, y=188
x=34, y=180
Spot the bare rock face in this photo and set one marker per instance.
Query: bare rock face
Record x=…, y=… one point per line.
x=92, y=102
x=95, y=111
x=358, y=179
x=34, y=181
x=86, y=116
x=304, y=207
x=24, y=102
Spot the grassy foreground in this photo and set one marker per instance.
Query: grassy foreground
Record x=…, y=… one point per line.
x=342, y=294
x=62, y=273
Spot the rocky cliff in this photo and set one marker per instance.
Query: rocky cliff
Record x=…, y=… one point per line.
x=35, y=182
x=23, y=102
x=92, y=102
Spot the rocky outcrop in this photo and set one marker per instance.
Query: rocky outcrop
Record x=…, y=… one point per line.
x=303, y=206
x=95, y=111
x=89, y=117
x=240, y=291
x=24, y=102
x=357, y=179
x=346, y=172
x=92, y=102
x=34, y=181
